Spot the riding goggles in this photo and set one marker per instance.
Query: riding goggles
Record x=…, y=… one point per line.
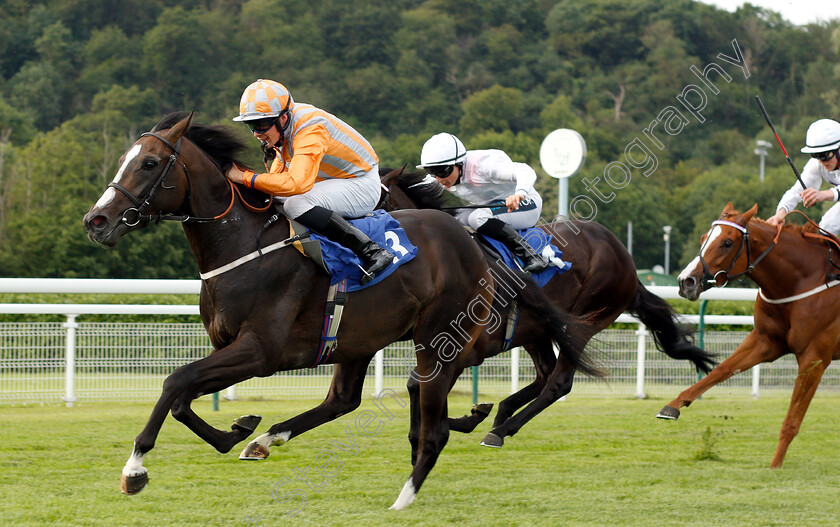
x=440, y=171
x=261, y=126
x=824, y=156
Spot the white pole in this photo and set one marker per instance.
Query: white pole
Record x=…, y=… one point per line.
x=230, y=393
x=379, y=373
x=563, y=193
x=70, y=361
x=756, y=377
x=514, y=370
x=641, y=338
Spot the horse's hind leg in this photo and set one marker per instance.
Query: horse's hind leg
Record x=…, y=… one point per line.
x=345, y=395
x=542, y=354
x=756, y=348
x=235, y=363
x=559, y=384
x=811, y=367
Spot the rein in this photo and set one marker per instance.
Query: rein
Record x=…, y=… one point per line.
x=140, y=204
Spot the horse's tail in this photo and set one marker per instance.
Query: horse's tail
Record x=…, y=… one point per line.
x=670, y=337
x=568, y=332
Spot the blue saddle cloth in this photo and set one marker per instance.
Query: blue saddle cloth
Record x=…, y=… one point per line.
x=382, y=228
x=541, y=242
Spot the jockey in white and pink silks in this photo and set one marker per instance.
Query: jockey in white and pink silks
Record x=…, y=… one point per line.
x=483, y=176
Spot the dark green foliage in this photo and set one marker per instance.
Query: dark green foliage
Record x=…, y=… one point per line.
x=80, y=79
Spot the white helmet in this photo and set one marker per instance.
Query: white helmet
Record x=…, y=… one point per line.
x=822, y=136
x=441, y=150
x=264, y=99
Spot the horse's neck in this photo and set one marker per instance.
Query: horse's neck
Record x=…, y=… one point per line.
x=232, y=236
x=791, y=266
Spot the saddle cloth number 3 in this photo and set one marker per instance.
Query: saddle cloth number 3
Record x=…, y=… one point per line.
x=393, y=242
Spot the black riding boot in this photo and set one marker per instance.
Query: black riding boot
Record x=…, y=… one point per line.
x=339, y=230
x=499, y=230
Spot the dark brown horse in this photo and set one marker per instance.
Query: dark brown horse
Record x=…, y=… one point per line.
x=601, y=284
x=795, y=312
x=264, y=312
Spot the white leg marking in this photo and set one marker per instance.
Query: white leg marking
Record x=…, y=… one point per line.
x=406, y=497
x=110, y=194
x=278, y=439
x=134, y=465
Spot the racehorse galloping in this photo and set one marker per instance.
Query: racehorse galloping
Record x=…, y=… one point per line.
x=794, y=313
x=266, y=314
x=601, y=284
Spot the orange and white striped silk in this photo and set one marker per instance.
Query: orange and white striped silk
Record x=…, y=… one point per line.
x=318, y=146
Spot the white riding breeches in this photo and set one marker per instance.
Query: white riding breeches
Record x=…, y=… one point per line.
x=831, y=219
x=523, y=218
x=349, y=198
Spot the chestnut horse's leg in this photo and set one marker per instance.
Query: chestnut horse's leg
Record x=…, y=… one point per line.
x=812, y=364
x=756, y=348
x=237, y=362
x=345, y=395
x=559, y=383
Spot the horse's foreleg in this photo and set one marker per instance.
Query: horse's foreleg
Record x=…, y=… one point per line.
x=755, y=349
x=812, y=364
x=217, y=371
x=559, y=383
x=433, y=431
x=345, y=395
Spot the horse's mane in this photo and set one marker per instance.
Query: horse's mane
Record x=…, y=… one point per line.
x=425, y=193
x=217, y=142
x=793, y=228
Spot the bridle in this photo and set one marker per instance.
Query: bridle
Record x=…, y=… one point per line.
x=710, y=278
x=133, y=216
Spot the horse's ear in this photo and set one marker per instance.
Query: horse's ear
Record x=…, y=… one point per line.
x=750, y=213
x=181, y=127
x=727, y=210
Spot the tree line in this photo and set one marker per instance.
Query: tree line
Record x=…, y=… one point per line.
x=670, y=125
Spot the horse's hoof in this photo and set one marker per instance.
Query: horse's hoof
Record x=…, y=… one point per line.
x=133, y=484
x=482, y=409
x=246, y=423
x=254, y=452
x=668, y=412
x=492, y=440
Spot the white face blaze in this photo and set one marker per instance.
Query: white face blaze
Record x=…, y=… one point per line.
x=692, y=265
x=110, y=193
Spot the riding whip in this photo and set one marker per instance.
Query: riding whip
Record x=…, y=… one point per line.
x=790, y=161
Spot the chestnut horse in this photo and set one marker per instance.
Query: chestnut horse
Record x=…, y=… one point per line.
x=264, y=310
x=601, y=284
x=795, y=312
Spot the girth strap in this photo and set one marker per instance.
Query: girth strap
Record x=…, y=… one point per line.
x=336, y=298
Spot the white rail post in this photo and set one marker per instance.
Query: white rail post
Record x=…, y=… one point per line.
x=70, y=361
x=756, y=378
x=641, y=341
x=514, y=370
x=378, y=372
x=230, y=393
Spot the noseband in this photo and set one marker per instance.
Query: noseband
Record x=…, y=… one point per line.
x=711, y=279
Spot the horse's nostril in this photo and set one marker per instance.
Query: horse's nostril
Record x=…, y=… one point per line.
x=97, y=222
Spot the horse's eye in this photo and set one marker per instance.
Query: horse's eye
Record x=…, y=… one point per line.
x=150, y=164
x=727, y=244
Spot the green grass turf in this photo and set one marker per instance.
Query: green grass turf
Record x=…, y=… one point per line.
x=583, y=462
